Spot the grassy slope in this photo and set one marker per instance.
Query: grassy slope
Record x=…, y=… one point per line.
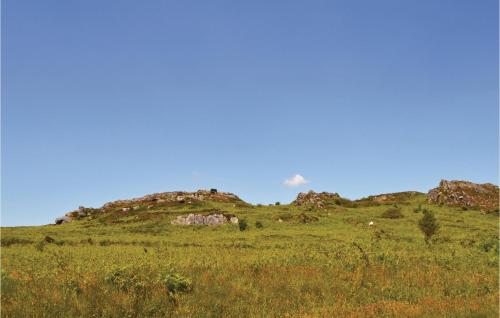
x=337, y=266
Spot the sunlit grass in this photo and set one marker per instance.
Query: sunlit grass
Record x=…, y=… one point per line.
x=337, y=266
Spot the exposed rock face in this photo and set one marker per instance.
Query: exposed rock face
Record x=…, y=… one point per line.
x=465, y=194
x=318, y=200
x=174, y=197
x=151, y=200
x=211, y=219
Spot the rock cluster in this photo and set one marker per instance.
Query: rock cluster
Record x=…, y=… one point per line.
x=73, y=215
x=465, y=194
x=175, y=197
x=150, y=200
x=318, y=200
x=211, y=219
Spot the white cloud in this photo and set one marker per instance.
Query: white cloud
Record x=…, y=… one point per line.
x=295, y=181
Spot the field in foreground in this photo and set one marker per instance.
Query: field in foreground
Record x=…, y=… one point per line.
x=139, y=265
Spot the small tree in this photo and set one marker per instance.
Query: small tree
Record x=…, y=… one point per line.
x=277, y=203
x=428, y=225
x=242, y=224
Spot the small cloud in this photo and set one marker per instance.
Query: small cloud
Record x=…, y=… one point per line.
x=295, y=181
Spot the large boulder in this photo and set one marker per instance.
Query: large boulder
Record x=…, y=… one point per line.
x=465, y=194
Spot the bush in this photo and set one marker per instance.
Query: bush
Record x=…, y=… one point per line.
x=259, y=225
x=418, y=208
x=392, y=213
x=242, y=224
x=277, y=203
x=428, y=225
x=487, y=246
x=175, y=283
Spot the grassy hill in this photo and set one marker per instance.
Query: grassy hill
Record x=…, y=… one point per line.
x=290, y=261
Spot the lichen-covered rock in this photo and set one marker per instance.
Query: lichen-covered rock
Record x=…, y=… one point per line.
x=465, y=194
x=198, y=219
x=176, y=197
x=318, y=200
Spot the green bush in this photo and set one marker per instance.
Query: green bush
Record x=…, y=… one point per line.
x=428, y=225
x=277, y=203
x=175, y=283
x=392, y=213
x=259, y=225
x=242, y=224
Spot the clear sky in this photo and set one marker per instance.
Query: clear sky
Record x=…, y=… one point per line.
x=105, y=100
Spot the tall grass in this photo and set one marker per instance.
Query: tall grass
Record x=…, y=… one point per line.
x=337, y=266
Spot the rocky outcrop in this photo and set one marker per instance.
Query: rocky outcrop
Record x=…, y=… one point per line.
x=465, y=194
x=151, y=200
x=211, y=219
x=175, y=198
x=74, y=215
x=318, y=200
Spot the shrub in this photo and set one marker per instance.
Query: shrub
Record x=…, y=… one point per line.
x=487, y=246
x=392, y=213
x=418, y=208
x=40, y=245
x=242, y=224
x=277, y=203
x=175, y=283
x=428, y=225
x=259, y=225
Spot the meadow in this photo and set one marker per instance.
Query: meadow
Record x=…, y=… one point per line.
x=282, y=265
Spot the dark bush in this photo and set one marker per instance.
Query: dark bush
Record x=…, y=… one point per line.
x=428, y=225
x=392, y=213
x=259, y=225
x=242, y=224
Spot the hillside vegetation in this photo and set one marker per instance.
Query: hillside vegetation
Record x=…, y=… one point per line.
x=307, y=260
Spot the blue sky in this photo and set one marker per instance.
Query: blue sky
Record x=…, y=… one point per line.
x=104, y=100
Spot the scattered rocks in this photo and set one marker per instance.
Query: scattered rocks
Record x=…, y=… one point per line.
x=465, y=194
x=210, y=219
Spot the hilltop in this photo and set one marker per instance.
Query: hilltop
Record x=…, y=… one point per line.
x=153, y=202
x=222, y=205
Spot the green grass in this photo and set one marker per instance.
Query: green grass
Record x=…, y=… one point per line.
x=137, y=264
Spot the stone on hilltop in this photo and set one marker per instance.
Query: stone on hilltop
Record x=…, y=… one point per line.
x=465, y=194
